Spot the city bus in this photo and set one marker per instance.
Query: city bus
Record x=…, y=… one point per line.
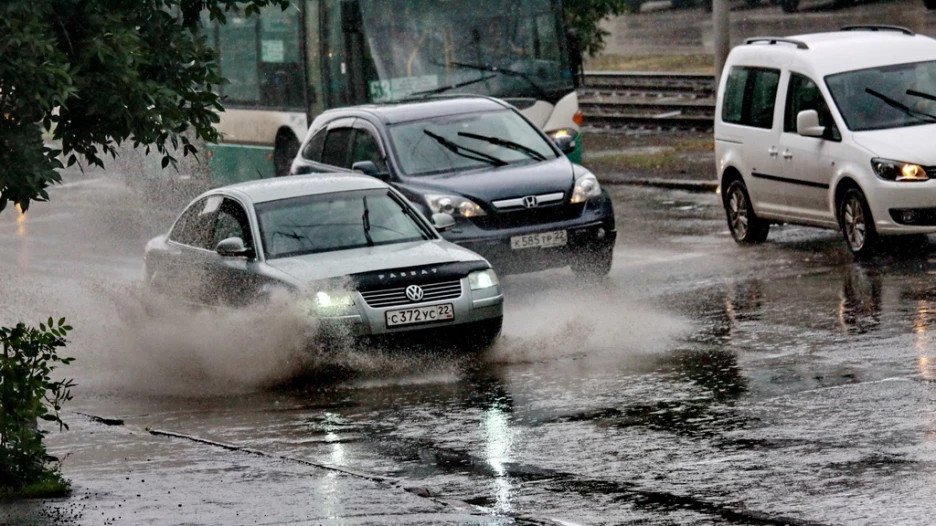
x=283, y=68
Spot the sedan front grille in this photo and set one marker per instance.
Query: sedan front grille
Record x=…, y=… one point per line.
x=396, y=297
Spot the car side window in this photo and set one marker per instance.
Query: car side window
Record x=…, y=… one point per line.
x=803, y=94
x=313, y=150
x=366, y=148
x=337, y=146
x=195, y=225
x=750, y=96
x=232, y=222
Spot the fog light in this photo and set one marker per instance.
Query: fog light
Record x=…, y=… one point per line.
x=909, y=216
x=601, y=233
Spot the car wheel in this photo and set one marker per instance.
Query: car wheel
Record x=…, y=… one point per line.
x=287, y=146
x=929, y=4
x=746, y=228
x=857, y=224
x=789, y=6
x=594, y=263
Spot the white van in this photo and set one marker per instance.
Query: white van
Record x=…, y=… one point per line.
x=834, y=130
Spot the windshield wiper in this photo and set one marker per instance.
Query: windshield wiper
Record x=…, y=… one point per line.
x=505, y=71
x=442, y=89
x=923, y=116
x=474, y=155
x=366, y=220
x=510, y=145
x=915, y=93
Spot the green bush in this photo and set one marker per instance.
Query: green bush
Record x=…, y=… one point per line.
x=29, y=394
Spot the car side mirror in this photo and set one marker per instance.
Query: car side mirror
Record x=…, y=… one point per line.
x=369, y=168
x=565, y=142
x=807, y=124
x=234, y=247
x=443, y=222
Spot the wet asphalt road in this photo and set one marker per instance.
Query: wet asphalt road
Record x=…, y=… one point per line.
x=701, y=383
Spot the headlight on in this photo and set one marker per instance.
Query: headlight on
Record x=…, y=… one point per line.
x=586, y=187
x=483, y=279
x=331, y=302
x=453, y=205
x=898, y=171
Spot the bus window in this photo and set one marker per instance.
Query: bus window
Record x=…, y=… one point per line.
x=280, y=67
x=238, y=59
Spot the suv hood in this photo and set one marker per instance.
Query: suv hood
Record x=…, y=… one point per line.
x=912, y=144
x=330, y=265
x=502, y=182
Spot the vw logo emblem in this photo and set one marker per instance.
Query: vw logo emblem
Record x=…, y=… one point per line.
x=414, y=293
x=530, y=201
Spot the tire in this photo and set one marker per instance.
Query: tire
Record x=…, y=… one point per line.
x=287, y=146
x=595, y=263
x=789, y=6
x=929, y=4
x=746, y=228
x=857, y=224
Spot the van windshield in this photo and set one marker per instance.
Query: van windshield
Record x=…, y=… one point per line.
x=893, y=96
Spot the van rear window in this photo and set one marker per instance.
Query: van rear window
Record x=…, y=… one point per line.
x=750, y=96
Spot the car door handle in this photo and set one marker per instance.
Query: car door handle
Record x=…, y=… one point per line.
x=787, y=154
x=772, y=151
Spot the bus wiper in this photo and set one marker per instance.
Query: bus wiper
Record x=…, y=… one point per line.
x=510, y=145
x=923, y=116
x=467, y=153
x=506, y=71
x=366, y=220
x=443, y=89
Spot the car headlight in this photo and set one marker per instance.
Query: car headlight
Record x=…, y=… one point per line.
x=454, y=205
x=483, y=279
x=898, y=171
x=564, y=139
x=331, y=302
x=586, y=187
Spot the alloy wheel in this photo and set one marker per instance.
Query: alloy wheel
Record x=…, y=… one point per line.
x=738, y=213
x=854, y=223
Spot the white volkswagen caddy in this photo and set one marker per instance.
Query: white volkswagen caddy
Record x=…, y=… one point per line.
x=834, y=130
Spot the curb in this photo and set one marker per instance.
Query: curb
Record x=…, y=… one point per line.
x=668, y=184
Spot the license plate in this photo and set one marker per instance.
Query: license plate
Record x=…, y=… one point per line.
x=415, y=315
x=541, y=240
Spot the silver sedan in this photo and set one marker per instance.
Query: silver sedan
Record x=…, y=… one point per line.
x=352, y=249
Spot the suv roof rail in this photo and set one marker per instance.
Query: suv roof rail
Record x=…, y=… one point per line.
x=775, y=40
x=878, y=27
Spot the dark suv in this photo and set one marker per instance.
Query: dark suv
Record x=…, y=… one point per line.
x=515, y=198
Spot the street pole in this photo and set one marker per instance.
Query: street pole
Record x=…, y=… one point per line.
x=722, y=35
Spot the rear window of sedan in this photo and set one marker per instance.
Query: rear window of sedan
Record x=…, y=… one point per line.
x=464, y=142
x=336, y=221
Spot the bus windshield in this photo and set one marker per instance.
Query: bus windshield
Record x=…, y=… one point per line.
x=488, y=47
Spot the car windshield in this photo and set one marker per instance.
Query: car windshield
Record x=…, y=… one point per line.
x=335, y=221
x=886, y=97
x=465, y=142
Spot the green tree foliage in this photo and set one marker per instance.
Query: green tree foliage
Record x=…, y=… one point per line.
x=98, y=73
x=29, y=394
x=584, y=16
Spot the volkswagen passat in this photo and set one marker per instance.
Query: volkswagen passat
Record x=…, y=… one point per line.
x=353, y=248
x=516, y=199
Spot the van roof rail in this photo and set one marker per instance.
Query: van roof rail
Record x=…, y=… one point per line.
x=878, y=27
x=776, y=40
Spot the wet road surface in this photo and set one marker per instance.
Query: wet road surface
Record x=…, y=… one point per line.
x=701, y=383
